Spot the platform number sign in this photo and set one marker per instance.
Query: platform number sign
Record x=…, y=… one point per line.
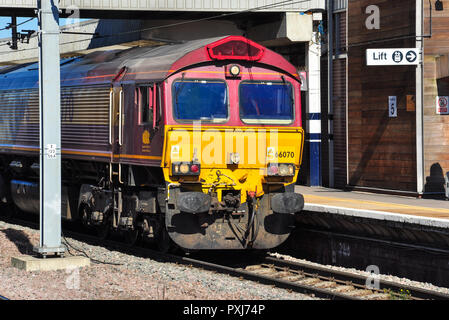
x=392, y=107
x=442, y=105
x=51, y=151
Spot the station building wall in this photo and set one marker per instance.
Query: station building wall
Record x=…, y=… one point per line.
x=381, y=150
x=436, y=83
x=339, y=76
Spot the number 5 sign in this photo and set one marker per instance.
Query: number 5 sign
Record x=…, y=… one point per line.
x=442, y=105
x=392, y=107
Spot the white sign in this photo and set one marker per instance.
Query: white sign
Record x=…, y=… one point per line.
x=392, y=57
x=271, y=151
x=442, y=105
x=175, y=152
x=392, y=107
x=51, y=151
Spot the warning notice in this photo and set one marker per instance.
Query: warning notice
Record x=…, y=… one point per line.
x=442, y=104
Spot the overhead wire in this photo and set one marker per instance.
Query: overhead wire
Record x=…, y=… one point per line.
x=12, y=26
x=19, y=24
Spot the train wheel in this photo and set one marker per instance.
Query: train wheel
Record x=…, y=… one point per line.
x=164, y=243
x=103, y=231
x=132, y=237
x=8, y=210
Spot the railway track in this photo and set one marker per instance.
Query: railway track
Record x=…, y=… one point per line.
x=318, y=281
x=326, y=282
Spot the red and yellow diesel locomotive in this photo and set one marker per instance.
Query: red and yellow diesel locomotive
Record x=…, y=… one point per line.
x=196, y=144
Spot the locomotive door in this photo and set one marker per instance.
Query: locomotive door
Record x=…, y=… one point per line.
x=117, y=130
x=144, y=106
x=136, y=138
x=120, y=109
x=147, y=142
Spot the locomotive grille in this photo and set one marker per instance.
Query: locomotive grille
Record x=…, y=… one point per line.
x=84, y=117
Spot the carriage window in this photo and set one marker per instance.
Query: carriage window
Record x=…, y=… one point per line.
x=266, y=102
x=200, y=100
x=144, y=100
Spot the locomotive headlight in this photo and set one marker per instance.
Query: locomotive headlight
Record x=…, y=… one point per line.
x=184, y=168
x=234, y=70
x=286, y=169
x=283, y=170
x=234, y=158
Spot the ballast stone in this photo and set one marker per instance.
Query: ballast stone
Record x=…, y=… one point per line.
x=30, y=263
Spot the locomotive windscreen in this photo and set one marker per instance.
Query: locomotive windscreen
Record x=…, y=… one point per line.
x=200, y=100
x=266, y=102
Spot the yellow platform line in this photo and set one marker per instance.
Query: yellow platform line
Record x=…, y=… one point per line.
x=313, y=198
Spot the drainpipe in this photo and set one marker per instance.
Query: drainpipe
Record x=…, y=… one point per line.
x=330, y=91
x=419, y=101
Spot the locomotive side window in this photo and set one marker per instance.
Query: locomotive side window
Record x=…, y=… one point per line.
x=200, y=100
x=266, y=102
x=144, y=101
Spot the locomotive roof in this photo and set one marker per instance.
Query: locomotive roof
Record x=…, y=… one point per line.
x=101, y=67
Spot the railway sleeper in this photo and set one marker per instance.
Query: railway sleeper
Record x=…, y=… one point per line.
x=326, y=284
x=254, y=267
x=265, y=271
x=343, y=289
x=378, y=296
x=282, y=274
x=359, y=292
x=309, y=281
x=293, y=278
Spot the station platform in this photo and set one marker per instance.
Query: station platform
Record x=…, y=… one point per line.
x=402, y=209
x=404, y=236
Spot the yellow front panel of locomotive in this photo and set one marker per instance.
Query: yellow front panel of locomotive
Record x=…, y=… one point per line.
x=239, y=155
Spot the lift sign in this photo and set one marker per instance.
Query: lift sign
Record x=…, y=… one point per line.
x=442, y=105
x=392, y=57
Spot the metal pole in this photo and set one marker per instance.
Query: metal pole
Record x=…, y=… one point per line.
x=50, y=129
x=419, y=101
x=314, y=109
x=14, y=32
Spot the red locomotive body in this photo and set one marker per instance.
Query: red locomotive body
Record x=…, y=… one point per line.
x=119, y=112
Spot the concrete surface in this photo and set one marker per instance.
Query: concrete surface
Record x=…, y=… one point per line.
x=30, y=263
x=427, y=212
